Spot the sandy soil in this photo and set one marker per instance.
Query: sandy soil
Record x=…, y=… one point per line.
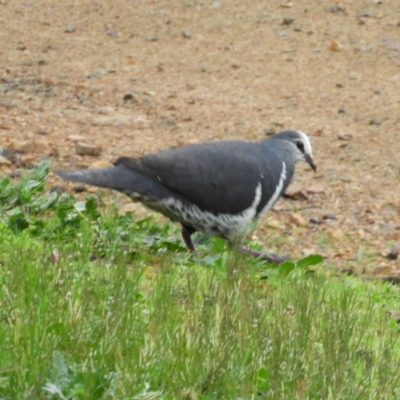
x=135, y=76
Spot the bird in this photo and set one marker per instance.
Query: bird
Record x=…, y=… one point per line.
x=218, y=188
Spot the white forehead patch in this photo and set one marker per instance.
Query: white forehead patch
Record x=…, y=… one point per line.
x=307, y=144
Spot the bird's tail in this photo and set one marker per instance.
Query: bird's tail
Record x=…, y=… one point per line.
x=118, y=178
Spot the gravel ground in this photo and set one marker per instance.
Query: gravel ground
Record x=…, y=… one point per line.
x=82, y=82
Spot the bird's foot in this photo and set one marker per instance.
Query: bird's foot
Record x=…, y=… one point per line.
x=274, y=258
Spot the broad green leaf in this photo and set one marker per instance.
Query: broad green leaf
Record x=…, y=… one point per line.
x=286, y=268
x=312, y=259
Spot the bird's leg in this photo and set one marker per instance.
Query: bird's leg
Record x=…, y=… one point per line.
x=275, y=258
x=187, y=237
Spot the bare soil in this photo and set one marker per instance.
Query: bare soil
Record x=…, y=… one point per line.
x=130, y=77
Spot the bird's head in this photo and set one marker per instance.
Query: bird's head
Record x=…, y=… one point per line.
x=300, y=146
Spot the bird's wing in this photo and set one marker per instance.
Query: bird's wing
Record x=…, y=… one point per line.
x=219, y=177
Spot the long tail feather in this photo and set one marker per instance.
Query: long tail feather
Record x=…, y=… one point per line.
x=122, y=179
x=117, y=178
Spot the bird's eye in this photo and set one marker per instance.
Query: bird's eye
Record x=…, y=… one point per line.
x=300, y=146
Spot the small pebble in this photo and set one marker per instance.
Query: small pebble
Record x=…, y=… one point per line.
x=97, y=74
x=316, y=188
x=287, y=21
x=186, y=34
x=295, y=192
x=335, y=46
x=344, y=136
x=70, y=29
x=131, y=97
x=364, y=14
x=87, y=150
x=336, y=9
x=110, y=31
x=329, y=216
x=375, y=121
x=79, y=188
x=297, y=219
x=393, y=254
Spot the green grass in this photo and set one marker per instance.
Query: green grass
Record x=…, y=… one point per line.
x=122, y=312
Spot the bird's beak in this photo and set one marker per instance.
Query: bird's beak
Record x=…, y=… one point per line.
x=310, y=162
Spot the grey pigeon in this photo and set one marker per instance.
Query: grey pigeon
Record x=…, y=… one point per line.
x=217, y=188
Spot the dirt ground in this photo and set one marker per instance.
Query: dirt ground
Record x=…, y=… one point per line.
x=130, y=77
